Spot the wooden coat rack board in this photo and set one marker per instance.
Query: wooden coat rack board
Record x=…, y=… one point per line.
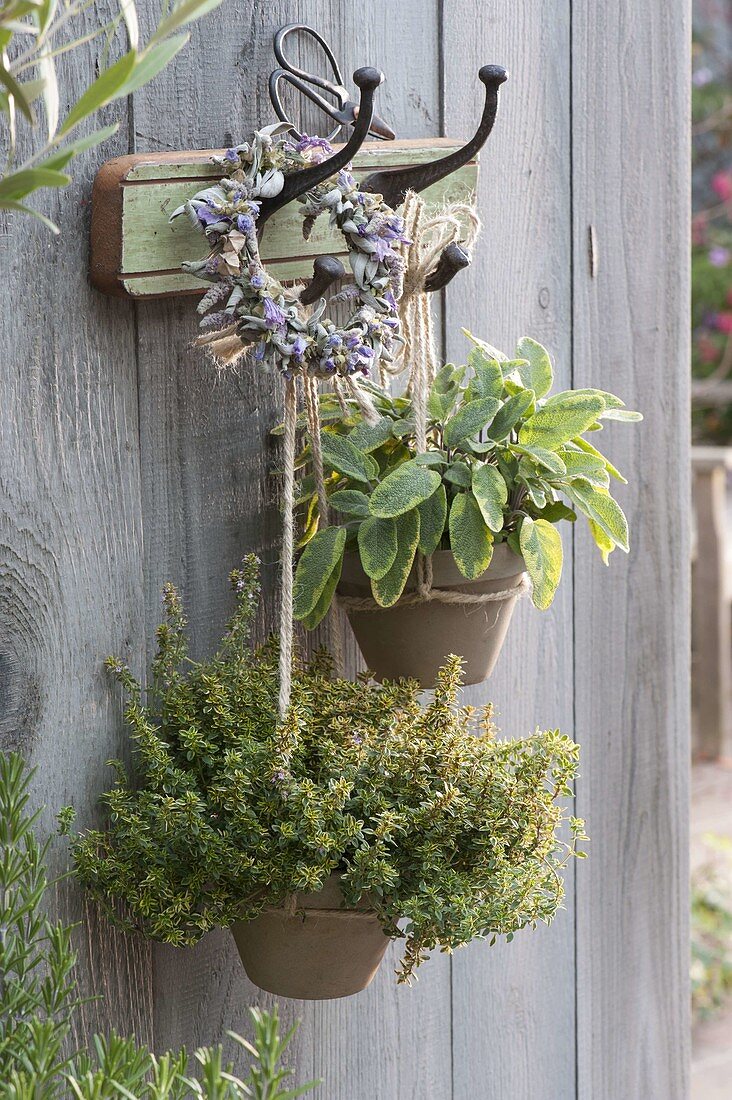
x=137, y=253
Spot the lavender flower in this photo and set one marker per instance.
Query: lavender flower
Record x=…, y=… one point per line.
x=257, y=281
x=273, y=315
x=245, y=223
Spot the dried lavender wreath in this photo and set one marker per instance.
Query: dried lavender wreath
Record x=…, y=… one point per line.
x=247, y=308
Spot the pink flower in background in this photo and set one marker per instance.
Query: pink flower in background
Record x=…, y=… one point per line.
x=699, y=228
x=722, y=185
x=719, y=256
x=723, y=323
x=708, y=351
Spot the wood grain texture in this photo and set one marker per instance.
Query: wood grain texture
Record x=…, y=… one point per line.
x=70, y=540
x=630, y=182
x=125, y=462
x=137, y=250
x=209, y=497
x=513, y=1004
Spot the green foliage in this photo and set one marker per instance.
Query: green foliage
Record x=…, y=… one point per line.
x=39, y=998
x=451, y=832
x=500, y=451
x=33, y=33
x=711, y=932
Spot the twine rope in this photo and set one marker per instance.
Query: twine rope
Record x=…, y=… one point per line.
x=312, y=405
x=288, y=545
x=423, y=594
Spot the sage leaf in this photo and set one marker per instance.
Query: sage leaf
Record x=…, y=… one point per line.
x=560, y=419
x=350, y=501
x=537, y=375
x=547, y=459
x=432, y=516
x=458, y=473
x=320, y=558
x=341, y=455
x=590, y=450
x=326, y=598
x=471, y=541
x=377, y=545
x=491, y=492
x=541, y=549
x=599, y=506
x=487, y=380
x=603, y=541
x=471, y=418
x=403, y=489
x=511, y=411
x=387, y=589
x=368, y=437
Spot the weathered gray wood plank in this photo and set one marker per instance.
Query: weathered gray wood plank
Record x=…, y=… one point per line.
x=630, y=183
x=209, y=498
x=70, y=539
x=513, y=1005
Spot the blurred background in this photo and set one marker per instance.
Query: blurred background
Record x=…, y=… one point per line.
x=711, y=832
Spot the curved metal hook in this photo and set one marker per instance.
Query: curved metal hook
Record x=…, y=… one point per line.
x=367, y=80
x=393, y=185
x=326, y=270
x=454, y=258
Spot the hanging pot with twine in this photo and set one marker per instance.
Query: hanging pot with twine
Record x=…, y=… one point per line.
x=440, y=612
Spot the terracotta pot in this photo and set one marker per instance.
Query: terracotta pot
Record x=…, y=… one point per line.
x=414, y=639
x=321, y=951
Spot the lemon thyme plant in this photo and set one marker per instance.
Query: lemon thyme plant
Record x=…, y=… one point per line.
x=505, y=461
x=40, y=999
x=452, y=832
x=246, y=308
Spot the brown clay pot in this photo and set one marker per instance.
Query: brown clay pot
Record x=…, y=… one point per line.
x=413, y=640
x=321, y=951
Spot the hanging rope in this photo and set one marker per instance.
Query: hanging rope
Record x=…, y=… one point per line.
x=312, y=405
x=288, y=545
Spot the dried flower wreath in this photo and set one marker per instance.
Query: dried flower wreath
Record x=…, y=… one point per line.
x=246, y=307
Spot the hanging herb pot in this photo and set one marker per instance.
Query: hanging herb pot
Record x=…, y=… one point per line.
x=316, y=948
x=412, y=637
x=361, y=817
x=433, y=540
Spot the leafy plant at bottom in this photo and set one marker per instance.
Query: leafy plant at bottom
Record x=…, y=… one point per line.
x=452, y=833
x=39, y=999
x=506, y=461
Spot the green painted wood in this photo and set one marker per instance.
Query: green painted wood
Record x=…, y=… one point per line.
x=153, y=248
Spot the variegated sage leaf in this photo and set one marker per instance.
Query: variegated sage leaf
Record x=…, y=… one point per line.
x=470, y=539
x=387, y=589
x=377, y=545
x=562, y=418
x=538, y=374
x=541, y=549
x=341, y=455
x=510, y=413
x=403, y=489
x=432, y=517
x=470, y=418
x=352, y=502
x=322, y=556
x=599, y=506
x=491, y=492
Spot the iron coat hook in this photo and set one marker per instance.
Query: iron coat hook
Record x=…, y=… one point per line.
x=392, y=184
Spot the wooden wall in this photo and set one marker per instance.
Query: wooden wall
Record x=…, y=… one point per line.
x=125, y=462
